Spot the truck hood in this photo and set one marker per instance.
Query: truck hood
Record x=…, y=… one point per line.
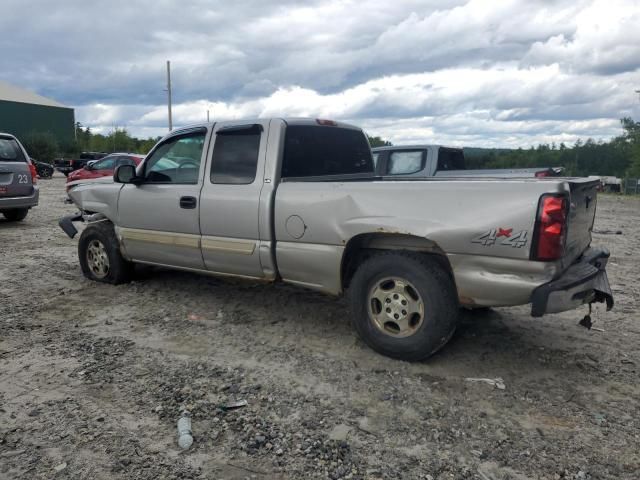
x=71, y=183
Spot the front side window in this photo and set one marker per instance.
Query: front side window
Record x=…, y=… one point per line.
x=177, y=160
x=319, y=150
x=235, y=155
x=405, y=163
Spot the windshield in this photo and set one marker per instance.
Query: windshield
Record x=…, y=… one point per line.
x=10, y=151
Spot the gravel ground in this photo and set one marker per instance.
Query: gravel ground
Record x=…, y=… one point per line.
x=92, y=377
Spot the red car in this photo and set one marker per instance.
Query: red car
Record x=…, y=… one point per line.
x=104, y=167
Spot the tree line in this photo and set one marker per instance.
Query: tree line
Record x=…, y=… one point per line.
x=44, y=146
x=618, y=157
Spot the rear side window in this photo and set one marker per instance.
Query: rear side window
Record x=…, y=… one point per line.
x=125, y=161
x=449, y=159
x=318, y=150
x=405, y=163
x=235, y=155
x=104, y=164
x=10, y=151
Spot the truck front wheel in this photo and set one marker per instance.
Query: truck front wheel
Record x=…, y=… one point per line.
x=404, y=304
x=100, y=257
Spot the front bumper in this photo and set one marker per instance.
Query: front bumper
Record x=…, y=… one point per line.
x=66, y=224
x=8, y=203
x=66, y=170
x=583, y=282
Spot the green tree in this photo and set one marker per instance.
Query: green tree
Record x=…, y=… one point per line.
x=618, y=157
x=630, y=141
x=378, y=142
x=41, y=146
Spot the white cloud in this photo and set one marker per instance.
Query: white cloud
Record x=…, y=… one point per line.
x=493, y=73
x=606, y=39
x=510, y=106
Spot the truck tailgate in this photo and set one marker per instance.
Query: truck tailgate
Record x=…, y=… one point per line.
x=582, y=210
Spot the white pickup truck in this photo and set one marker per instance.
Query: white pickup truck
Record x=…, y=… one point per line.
x=297, y=200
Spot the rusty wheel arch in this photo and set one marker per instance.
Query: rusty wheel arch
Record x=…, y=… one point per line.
x=362, y=246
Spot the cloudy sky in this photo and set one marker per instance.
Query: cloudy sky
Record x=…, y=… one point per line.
x=479, y=72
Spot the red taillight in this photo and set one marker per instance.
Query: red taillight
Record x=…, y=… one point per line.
x=34, y=173
x=542, y=174
x=551, y=227
x=327, y=123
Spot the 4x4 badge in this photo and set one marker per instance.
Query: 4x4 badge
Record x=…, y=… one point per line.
x=509, y=239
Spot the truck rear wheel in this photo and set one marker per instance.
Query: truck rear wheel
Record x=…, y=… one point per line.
x=404, y=305
x=16, y=214
x=100, y=257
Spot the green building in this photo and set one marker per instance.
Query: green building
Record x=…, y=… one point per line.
x=23, y=112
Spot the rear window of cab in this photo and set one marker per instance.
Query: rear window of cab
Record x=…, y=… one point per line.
x=312, y=151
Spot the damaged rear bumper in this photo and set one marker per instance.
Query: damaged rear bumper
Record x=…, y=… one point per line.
x=583, y=282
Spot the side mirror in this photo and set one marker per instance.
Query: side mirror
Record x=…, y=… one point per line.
x=125, y=174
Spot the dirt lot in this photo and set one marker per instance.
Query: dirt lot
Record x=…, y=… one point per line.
x=93, y=377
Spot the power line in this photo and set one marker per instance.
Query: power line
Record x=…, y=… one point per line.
x=169, y=94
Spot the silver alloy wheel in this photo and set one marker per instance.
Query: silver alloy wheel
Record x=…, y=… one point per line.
x=395, y=307
x=97, y=258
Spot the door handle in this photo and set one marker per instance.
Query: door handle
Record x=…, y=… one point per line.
x=188, y=202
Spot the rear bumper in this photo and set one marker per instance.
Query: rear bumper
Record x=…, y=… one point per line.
x=8, y=203
x=583, y=282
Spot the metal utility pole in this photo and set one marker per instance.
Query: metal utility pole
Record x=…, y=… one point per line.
x=169, y=94
x=207, y=116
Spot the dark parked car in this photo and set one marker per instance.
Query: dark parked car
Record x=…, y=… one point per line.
x=44, y=169
x=18, y=178
x=67, y=166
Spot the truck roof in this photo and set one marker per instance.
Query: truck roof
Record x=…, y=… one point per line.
x=287, y=120
x=412, y=147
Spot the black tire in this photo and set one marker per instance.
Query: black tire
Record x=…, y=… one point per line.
x=479, y=310
x=118, y=269
x=435, y=288
x=16, y=214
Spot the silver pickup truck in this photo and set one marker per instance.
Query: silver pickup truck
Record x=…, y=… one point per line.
x=298, y=201
x=425, y=161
